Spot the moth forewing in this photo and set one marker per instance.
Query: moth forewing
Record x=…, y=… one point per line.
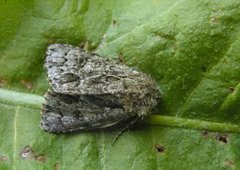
x=88, y=91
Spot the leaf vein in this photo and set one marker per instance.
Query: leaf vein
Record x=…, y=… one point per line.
x=202, y=80
x=141, y=26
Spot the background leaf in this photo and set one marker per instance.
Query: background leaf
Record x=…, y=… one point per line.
x=191, y=49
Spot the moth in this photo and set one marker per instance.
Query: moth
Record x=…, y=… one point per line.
x=88, y=91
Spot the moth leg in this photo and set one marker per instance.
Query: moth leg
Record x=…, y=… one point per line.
x=132, y=122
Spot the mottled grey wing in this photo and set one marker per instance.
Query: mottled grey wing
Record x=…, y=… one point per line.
x=63, y=113
x=88, y=91
x=72, y=70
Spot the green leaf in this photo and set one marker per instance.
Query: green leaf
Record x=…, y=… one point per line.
x=191, y=49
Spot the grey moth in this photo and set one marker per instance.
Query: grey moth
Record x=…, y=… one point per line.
x=90, y=92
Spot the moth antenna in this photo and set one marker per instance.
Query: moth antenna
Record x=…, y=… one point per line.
x=125, y=128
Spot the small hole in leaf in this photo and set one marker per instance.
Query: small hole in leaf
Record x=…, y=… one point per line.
x=27, y=153
x=222, y=138
x=159, y=148
x=231, y=89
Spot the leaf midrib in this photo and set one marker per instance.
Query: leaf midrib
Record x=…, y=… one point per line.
x=20, y=99
x=35, y=101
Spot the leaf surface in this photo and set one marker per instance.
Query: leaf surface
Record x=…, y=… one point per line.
x=190, y=48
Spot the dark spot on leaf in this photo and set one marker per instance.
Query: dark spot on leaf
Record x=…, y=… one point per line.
x=229, y=163
x=56, y=166
x=27, y=84
x=3, y=158
x=159, y=148
x=3, y=82
x=231, y=89
x=27, y=153
x=114, y=22
x=205, y=134
x=222, y=138
x=41, y=158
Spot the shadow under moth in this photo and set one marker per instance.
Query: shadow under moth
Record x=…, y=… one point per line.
x=90, y=92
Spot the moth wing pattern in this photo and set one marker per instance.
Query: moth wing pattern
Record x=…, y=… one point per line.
x=88, y=91
x=63, y=113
